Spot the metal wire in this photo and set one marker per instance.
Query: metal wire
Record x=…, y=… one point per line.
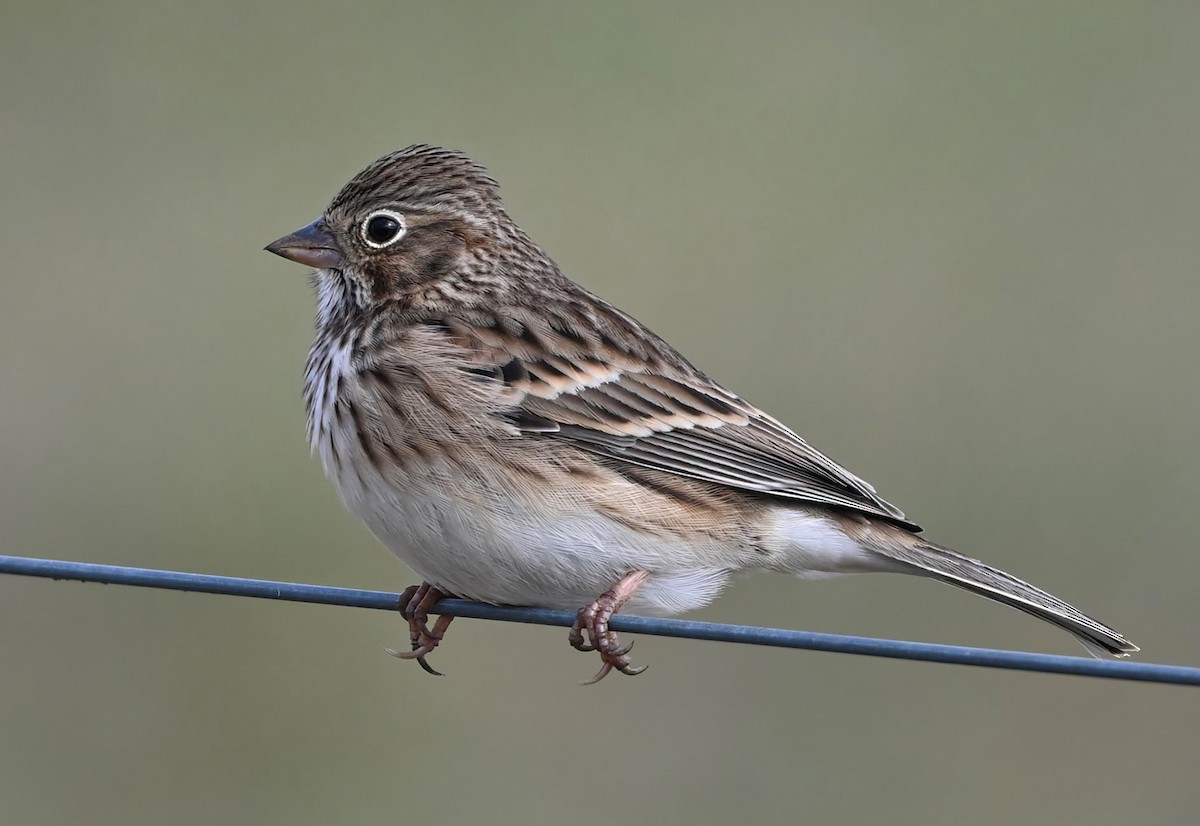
x=717, y=632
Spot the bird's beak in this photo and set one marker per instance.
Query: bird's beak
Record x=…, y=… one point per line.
x=311, y=245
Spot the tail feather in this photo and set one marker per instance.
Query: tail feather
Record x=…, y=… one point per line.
x=972, y=575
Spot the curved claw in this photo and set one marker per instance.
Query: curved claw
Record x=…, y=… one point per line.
x=623, y=650
x=600, y=675
x=418, y=653
x=429, y=669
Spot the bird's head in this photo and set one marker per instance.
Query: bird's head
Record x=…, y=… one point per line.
x=419, y=220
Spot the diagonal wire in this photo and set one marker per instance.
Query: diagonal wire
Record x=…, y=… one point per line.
x=718, y=632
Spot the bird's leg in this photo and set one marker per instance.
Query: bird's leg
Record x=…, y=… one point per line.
x=415, y=603
x=594, y=619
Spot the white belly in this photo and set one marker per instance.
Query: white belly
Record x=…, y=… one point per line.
x=484, y=544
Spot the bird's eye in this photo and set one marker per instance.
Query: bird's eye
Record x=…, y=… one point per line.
x=383, y=228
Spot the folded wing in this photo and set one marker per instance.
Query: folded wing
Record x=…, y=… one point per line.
x=621, y=394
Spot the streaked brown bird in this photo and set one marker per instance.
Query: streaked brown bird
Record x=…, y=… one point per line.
x=517, y=440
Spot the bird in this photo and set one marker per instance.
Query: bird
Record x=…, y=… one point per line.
x=517, y=440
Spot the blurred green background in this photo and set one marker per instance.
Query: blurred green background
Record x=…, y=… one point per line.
x=954, y=245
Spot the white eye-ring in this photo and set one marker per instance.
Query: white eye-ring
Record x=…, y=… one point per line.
x=382, y=228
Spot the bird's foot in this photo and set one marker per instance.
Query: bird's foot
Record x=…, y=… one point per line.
x=415, y=603
x=594, y=619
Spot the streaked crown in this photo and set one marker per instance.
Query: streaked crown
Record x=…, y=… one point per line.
x=423, y=176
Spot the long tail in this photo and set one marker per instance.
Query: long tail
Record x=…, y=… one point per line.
x=933, y=560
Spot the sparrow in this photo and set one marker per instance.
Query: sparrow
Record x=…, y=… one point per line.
x=516, y=440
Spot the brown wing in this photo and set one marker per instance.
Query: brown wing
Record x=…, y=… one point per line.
x=604, y=383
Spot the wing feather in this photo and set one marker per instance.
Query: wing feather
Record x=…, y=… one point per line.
x=643, y=403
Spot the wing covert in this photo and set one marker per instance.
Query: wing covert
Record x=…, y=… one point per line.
x=619, y=395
